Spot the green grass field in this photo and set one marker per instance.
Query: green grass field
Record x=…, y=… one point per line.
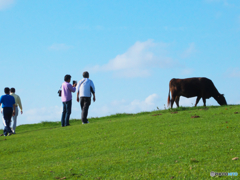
x=164, y=144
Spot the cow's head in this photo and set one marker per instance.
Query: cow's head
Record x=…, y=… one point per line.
x=221, y=99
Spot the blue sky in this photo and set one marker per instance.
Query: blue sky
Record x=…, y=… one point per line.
x=132, y=49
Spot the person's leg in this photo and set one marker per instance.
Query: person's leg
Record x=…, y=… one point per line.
x=86, y=104
x=8, y=122
x=63, y=114
x=7, y=115
x=68, y=112
x=81, y=102
x=81, y=105
x=15, y=120
x=4, y=126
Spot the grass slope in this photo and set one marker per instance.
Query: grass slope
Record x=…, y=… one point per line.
x=163, y=144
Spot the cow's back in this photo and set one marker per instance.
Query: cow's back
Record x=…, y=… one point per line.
x=189, y=87
x=208, y=88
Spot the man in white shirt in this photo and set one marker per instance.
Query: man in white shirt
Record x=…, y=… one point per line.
x=85, y=87
x=17, y=103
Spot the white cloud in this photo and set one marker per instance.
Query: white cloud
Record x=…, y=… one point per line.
x=227, y=4
x=150, y=103
x=43, y=114
x=190, y=102
x=224, y=2
x=138, y=60
x=123, y=106
x=189, y=51
x=59, y=47
x=233, y=72
x=6, y=4
x=132, y=73
x=152, y=99
x=187, y=71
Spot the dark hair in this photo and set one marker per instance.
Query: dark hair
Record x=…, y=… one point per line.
x=67, y=77
x=6, y=90
x=85, y=74
x=12, y=90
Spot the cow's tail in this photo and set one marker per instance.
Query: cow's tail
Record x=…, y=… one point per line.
x=168, y=101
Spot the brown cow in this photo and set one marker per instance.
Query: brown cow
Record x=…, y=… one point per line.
x=191, y=87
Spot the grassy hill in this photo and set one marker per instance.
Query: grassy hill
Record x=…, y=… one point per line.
x=164, y=144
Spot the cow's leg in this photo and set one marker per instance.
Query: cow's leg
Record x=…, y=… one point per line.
x=172, y=100
x=197, y=100
x=177, y=100
x=204, y=101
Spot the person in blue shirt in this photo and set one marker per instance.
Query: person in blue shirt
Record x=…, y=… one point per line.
x=8, y=105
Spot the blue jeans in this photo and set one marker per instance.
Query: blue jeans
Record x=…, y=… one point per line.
x=67, y=107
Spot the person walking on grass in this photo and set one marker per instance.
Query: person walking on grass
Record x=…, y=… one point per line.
x=66, y=95
x=17, y=103
x=85, y=87
x=8, y=110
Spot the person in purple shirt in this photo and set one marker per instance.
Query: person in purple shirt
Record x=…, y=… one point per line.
x=67, y=90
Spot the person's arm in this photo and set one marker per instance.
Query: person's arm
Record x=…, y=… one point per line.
x=13, y=114
x=14, y=105
x=92, y=88
x=78, y=96
x=20, y=104
x=1, y=104
x=78, y=89
x=72, y=88
x=94, y=97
